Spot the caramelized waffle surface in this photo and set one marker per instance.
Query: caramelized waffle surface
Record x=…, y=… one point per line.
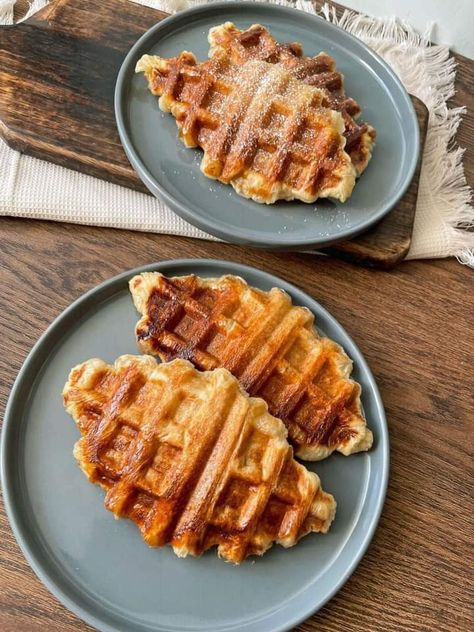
x=191, y=459
x=257, y=43
x=262, y=131
x=270, y=345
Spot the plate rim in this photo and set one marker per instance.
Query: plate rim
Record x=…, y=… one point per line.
x=237, y=235
x=22, y=535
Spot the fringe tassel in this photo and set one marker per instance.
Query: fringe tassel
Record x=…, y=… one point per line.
x=6, y=11
x=35, y=5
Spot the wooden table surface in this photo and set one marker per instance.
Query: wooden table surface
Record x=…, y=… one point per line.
x=414, y=326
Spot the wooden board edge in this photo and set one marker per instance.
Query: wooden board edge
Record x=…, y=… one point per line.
x=359, y=253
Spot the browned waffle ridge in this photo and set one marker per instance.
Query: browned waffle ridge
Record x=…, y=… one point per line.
x=191, y=459
x=270, y=345
x=262, y=131
x=256, y=42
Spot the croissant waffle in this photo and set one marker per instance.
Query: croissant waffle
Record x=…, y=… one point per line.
x=256, y=42
x=191, y=459
x=262, y=131
x=270, y=345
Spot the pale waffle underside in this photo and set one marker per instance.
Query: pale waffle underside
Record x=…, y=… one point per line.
x=191, y=459
x=270, y=345
x=262, y=131
x=256, y=42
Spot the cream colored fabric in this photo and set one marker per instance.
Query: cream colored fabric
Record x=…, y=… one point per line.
x=34, y=188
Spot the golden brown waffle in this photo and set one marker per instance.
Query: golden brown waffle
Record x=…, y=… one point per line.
x=257, y=43
x=270, y=345
x=262, y=131
x=191, y=459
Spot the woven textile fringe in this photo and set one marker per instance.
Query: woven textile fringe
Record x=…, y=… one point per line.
x=35, y=5
x=6, y=11
x=7, y=6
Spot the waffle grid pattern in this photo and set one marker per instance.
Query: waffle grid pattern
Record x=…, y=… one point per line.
x=191, y=459
x=261, y=130
x=319, y=71
x=270, y=345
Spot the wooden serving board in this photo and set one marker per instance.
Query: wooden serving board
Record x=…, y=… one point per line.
x=57, y=79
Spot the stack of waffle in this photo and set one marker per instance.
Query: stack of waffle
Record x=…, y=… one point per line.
x=270, y=345
x=182, y=449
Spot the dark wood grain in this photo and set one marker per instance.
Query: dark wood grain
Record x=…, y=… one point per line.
x=58, y=77
x=59, y=70
x=414, y=326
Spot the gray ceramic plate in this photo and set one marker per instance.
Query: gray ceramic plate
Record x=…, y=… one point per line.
x=99, y=567
x=172, y=172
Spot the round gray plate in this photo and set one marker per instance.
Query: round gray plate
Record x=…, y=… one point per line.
x=99, y=567
x=171, y=171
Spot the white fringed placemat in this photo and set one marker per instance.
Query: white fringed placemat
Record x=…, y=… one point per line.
x=34, y=188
